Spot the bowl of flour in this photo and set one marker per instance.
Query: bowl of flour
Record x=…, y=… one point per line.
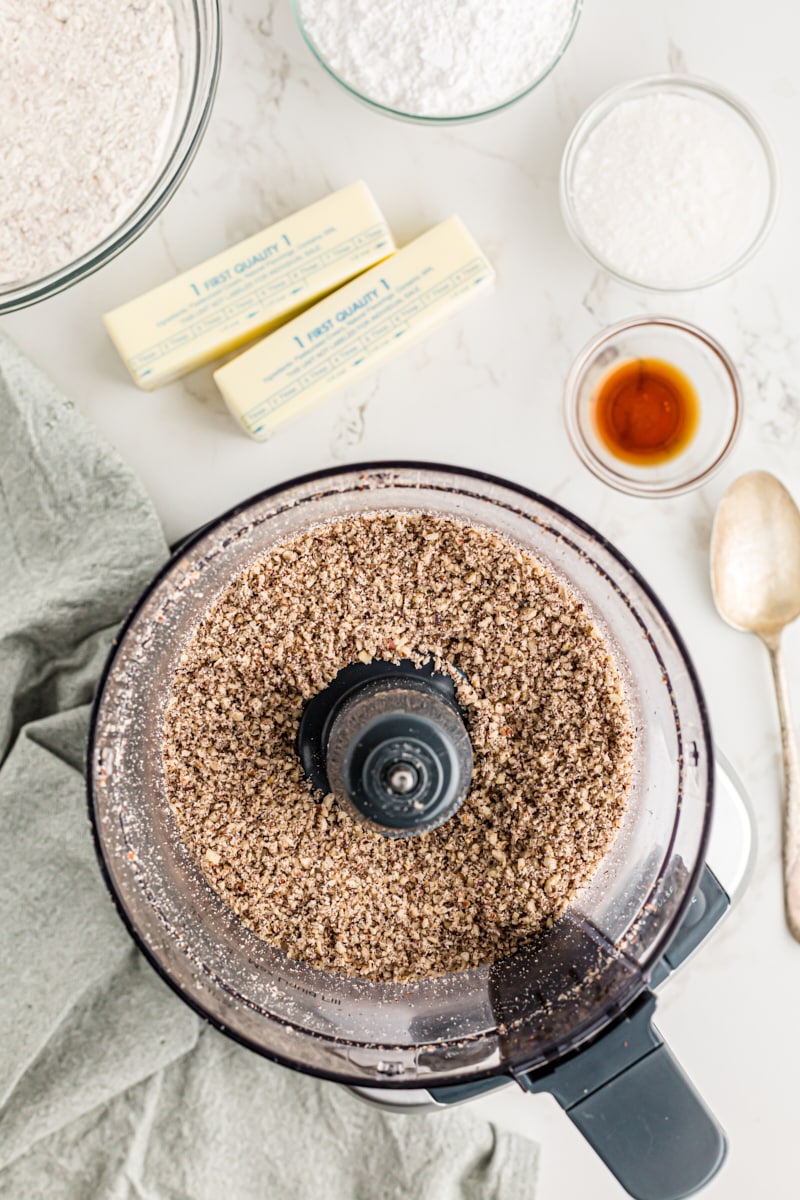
x=102, y=107
x=669, y=183
x=438, y=60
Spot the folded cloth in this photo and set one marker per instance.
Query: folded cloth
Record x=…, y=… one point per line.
x=110, y=1087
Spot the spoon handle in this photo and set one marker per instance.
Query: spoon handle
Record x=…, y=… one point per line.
x=791, y=791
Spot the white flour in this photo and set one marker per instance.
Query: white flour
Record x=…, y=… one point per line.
x=438, y=58
x=670, y=190
x=87, y=91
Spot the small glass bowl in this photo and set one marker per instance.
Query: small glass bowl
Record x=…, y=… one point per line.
x=682, y=85
x=708, y=368
x=198, y=34
x=421, y=118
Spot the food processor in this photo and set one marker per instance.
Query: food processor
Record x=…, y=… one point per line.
x=569, y=1013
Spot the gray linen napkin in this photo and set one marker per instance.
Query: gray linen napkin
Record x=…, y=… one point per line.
x=110, y=1087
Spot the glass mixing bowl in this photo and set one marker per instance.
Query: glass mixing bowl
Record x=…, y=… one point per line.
x=450, y=119
x=198, y=33
x=517, y=1016
x=678, y=85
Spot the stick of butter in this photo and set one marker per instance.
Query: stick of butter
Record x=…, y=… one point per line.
x=249, y=289
x=354, y=330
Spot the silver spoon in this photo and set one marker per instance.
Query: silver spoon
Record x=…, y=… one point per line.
x=755, y=577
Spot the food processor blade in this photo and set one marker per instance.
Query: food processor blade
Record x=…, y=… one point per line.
x=390, y=742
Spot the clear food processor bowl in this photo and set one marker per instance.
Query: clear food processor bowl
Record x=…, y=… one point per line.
x=522, y=1013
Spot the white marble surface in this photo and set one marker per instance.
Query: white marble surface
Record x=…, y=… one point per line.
x=485, y=391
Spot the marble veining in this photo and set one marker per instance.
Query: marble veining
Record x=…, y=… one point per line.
x=485, y=391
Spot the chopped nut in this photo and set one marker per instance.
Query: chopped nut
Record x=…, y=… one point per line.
x=544, y=705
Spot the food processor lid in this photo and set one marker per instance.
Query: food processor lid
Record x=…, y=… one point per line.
x=535, y=1006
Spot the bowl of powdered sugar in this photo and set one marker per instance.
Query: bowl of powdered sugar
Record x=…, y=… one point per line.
x=668, y=183
x=102, y=107
x=438, y=60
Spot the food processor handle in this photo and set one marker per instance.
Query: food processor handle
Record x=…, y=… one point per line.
x=631, y=1100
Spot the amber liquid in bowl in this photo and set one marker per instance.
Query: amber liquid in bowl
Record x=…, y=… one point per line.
x=646, y=411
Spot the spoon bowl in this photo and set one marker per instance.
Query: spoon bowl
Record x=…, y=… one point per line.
x=755, y=555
